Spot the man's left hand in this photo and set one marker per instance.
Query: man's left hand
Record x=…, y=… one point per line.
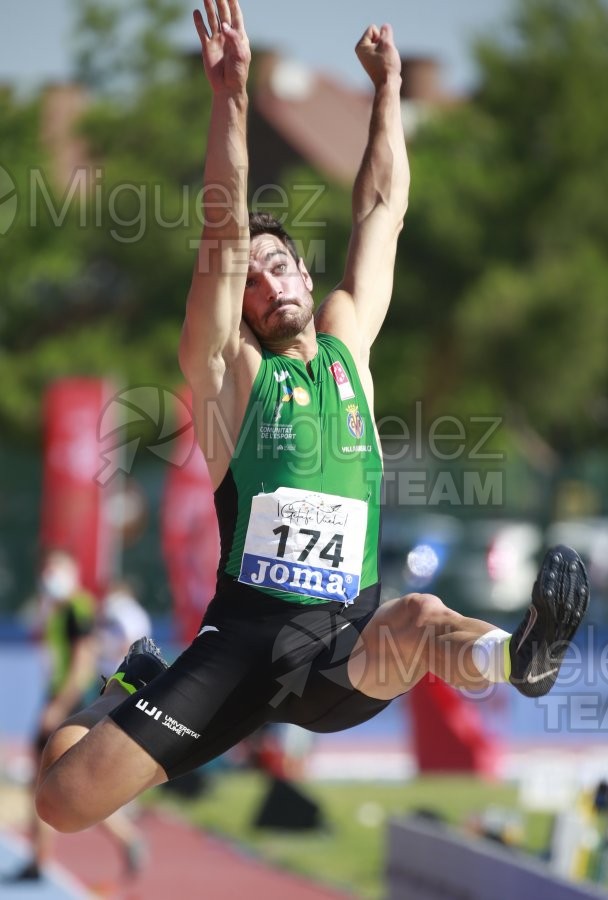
x=378, y=55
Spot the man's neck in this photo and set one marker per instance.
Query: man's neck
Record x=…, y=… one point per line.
x=303, y=346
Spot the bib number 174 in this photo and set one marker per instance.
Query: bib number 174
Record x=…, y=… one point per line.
x=332, y=551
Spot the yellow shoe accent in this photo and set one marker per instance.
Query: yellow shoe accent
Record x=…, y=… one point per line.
x=119, y=677
x=507, y=658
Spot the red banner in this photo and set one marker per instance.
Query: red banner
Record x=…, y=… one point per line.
x=448, y=733
x=190, y=535
x=73, y=515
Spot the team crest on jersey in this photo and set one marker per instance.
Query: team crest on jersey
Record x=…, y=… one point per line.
x=355, y=423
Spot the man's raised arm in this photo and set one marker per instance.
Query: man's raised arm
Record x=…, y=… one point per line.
x=356, y=309
x=213, y=311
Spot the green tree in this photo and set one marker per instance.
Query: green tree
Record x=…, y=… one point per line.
x=499, y=292
x=501, y=306
x=97, y=286
x=37, y=265
x=125, y=46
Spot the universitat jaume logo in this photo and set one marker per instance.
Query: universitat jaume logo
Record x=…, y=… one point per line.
x=355, y=423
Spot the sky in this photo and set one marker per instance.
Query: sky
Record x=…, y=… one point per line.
x=35, y=34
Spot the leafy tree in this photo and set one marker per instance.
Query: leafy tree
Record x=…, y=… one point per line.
x=37, y=266
x=501, y=305
x=118, y=45
x=499, y=293
x=97, y=286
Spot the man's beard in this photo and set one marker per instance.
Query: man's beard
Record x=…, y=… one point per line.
x=288, y=326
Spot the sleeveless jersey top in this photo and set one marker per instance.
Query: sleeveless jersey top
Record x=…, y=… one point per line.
x=66, y=624
x=299, y=508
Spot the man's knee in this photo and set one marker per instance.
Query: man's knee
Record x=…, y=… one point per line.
x=420, y=611
x=86, y=776
x=60, y=809
x=53, y=793
x=100, y=773
x=48, y=810
x=396, y=647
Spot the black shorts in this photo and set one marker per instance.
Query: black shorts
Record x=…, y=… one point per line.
x=257, y=660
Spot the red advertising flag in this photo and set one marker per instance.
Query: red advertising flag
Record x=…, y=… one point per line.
x=448, y=732
x=73, y=514
x=190, y=535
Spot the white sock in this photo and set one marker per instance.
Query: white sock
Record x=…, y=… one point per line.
x=491, y=655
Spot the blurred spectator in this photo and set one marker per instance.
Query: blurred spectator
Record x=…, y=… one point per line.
x=81, y=644
x=67, y=621
x=121, y=621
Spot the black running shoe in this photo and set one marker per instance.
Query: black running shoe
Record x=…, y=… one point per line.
x=142, y=663
x=560, y=597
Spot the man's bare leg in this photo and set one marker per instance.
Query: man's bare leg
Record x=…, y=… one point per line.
x=410, y=637
x=41, y=837
x=416, y=634
x=90, y=768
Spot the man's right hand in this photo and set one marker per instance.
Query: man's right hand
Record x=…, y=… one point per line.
x=225, y=45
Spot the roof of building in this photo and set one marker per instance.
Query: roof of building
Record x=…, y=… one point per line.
x=323, y=121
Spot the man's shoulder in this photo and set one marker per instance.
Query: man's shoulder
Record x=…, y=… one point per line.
x=336, y=347
x=332, y=341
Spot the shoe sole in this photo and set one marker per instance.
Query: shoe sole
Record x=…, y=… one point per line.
x=560, y=598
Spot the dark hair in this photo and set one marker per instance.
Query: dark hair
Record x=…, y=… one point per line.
x=265, y=223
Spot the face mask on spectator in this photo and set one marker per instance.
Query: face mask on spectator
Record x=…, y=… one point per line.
x=59, y=582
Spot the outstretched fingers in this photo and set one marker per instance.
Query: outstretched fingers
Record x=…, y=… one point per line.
x=206, y=30
x=223, y=9
x=201, y=28
x=236, y=15
x=224, y=43
x=222, y=17
x=215, y=17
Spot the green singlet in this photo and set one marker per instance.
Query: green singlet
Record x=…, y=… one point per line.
x=299, y=508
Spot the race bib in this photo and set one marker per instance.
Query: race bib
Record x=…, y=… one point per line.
x=305, y=543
